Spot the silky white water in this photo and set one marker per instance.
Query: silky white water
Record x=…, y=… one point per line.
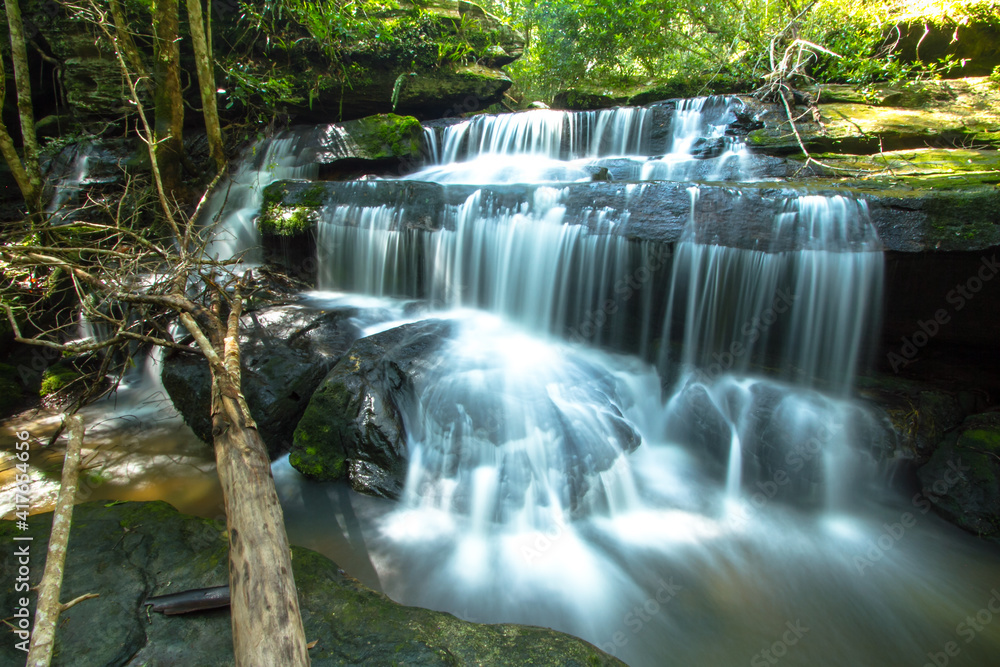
x=654, y=450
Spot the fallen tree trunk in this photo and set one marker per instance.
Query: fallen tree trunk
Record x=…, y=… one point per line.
x=267, y=623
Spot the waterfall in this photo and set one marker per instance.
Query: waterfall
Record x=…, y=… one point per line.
x=526, y=263
x=810, y=302
x=650, y=444
x=69, y=184
x=552, y=134
x=804, y=302
x=232, y=208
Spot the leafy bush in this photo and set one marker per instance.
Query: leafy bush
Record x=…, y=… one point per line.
x=617, y=43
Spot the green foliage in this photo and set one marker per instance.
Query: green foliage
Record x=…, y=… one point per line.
x=616, y=45
x=295, y=51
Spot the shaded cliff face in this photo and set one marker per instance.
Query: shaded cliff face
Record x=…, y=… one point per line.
x=433, y=59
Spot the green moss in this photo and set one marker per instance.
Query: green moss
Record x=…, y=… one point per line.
x=58, y=377
x=386, y=136
x=979, y=449
x=289, y=213
x=286, y=221
x=318, y=442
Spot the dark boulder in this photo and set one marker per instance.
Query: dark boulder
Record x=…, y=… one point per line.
x=129, y=552
x=787, y=437
x=919, y=415
x=286, y=351
x=353, y=427
x=962, y=478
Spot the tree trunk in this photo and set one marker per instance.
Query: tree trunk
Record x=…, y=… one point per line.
x=22, y=82
x=126, y=45
x=49, y=607
x=267, y=623
x=9, y=151
x=168, y=100
x=206, y=83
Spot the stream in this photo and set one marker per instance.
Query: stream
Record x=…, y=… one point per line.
x=660, y=455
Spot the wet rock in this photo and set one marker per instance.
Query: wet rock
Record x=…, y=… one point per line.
x=962, y=478
x=286, y=351
x=706, y=148
x=583, y=100
x=129, y=552
x=600, y=174
x=353, y=427
x=787, y=437
x=907, y=219
x=919, y=415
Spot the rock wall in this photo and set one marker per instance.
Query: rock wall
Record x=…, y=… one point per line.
x=81, y=85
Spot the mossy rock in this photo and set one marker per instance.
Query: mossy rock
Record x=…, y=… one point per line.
x=353, y=428
x=128, y=552
x=963, y=112
x=285, y=213
x=962, y=479
x=446, y=92
x=286, y=351
x=604, y=94
x=918, y=167
x=57, y=377
x=576, y=99
x=385, y=136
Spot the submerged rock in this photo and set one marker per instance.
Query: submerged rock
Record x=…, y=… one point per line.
x=129, y=552
x=794, y=444
x=286, y=351
x=353, y=427
x=962, y=478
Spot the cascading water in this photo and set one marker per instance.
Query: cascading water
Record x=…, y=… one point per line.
x=808, y=302
x=692, y=504
x=287, y=155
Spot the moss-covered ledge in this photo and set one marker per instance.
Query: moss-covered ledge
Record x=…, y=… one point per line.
x=128, y=552
x=286, y=212
x=912, y=213
x=956, y=113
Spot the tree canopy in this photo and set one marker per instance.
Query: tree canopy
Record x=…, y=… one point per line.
x=727, y=44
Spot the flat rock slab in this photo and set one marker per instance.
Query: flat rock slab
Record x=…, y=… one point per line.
x=908, y=217
x=128, y=552
x=961, y=112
